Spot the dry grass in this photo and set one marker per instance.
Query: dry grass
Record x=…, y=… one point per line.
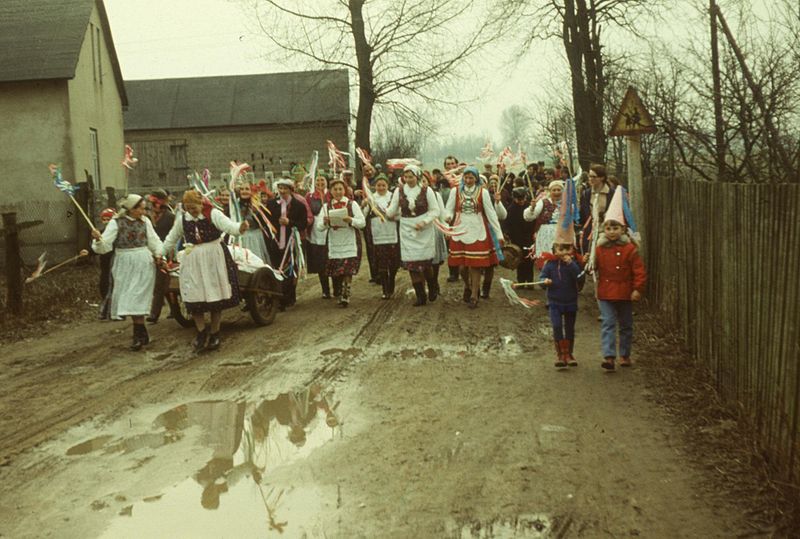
x=719, y=434
x=63, y=296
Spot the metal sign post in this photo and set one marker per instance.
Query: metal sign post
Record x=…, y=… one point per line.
x=632, y=121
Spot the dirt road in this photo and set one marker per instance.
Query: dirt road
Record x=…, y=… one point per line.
x=380, y=420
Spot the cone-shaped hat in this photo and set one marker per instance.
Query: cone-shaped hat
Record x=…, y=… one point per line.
x=568, y=216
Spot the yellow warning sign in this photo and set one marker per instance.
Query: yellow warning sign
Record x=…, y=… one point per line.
x=632, y=118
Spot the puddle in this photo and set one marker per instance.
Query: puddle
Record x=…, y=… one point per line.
x=228, y=494
x=520, y=527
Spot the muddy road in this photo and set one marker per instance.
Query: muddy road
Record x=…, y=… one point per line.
x=380, y=420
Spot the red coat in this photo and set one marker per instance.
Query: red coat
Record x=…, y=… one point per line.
x=620, y=271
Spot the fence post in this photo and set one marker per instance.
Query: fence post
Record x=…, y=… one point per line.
x=111, y=195
x=13, y=264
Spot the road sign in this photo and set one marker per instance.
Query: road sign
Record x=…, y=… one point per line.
x=632, y=118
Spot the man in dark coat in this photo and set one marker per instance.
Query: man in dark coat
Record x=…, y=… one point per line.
x=286, y=214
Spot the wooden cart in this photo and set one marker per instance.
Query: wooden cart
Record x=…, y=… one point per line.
x=261, y=292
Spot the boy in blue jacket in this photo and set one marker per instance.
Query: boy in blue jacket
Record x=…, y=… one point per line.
x=563, y=277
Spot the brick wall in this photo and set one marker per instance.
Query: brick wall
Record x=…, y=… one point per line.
x=167, y=156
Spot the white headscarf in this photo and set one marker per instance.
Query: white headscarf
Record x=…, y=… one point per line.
x=127, y=204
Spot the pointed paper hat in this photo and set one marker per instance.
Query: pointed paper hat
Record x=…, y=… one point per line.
x=619, y=209
x=569, y=215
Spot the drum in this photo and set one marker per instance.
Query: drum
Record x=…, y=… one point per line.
x=512, y=255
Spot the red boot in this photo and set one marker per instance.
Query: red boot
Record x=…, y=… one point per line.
x=571, y=361
x=561, y=362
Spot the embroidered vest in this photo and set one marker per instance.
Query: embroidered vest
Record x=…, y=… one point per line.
x=200, y=231
x=130, y=234
x=420, y=205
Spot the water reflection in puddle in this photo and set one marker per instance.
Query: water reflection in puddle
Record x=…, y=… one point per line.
x=228, y=495
x=520, y=527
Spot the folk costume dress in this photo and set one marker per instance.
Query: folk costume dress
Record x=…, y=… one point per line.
x=415, y=205
x=472, y=209
x=134, y=243
x=385, y=236
x=343, y=253
x=209, y=277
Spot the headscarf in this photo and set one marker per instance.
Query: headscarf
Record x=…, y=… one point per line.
x=127, y=204
x=413, y=169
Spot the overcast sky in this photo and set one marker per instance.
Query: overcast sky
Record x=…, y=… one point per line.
x=193, y=38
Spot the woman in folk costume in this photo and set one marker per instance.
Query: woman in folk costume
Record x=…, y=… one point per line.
x=131, y=236
x=317, y=246
x=254, y=238
x=343, y=241
x=472, y=209
x=385, y=237
x=287, y=215
x=209, y=277
x=544, y=213
x=418, y=208
x=502, y=213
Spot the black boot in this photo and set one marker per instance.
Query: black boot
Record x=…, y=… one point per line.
x=137, y=342
x=213, y=341
x=385, y=286
x=144, y=335
x=337, y=287
x=467, y=294
x=453, y=274
x=422, y=299
x=392, y=281
x=433, y=289
x=199, y=342
x=488, y=275
x=326, y=287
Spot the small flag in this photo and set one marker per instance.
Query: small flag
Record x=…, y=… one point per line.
x=58, y=180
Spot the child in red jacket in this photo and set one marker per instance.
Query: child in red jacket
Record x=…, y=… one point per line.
x=621, y=281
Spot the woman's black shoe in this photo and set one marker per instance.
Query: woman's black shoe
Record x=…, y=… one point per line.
x=213, y=342
x=199, y=342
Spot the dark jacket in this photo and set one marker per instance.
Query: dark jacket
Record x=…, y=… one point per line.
x=296, y=213
x=566, y=280
x=518, y=230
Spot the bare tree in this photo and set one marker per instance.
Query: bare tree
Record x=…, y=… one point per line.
x=580, y=24
x=400, y=51
x=515, y=125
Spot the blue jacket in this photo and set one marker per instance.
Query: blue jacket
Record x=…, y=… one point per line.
x=566, y=283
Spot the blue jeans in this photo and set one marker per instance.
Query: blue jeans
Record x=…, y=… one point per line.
x=616, y=313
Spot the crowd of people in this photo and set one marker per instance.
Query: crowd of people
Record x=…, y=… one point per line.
x=415, y=220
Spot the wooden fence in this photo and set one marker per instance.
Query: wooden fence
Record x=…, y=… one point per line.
x=724, y=264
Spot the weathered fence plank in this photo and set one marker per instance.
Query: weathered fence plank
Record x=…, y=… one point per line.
x=723, y=260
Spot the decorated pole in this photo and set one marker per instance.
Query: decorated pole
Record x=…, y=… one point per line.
x=632, y=121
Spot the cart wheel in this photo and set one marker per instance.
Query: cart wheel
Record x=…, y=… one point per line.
x=178, y=310
x=263, y=307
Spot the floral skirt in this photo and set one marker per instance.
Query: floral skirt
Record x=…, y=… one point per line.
x=417, y=266
x=387, y=256
x=336, y=267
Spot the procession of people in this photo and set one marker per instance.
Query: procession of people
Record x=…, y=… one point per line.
x=552, y=228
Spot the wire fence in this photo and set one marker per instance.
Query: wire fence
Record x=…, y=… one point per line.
x=723, y=259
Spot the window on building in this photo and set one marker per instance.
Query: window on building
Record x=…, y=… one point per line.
x=95, y=149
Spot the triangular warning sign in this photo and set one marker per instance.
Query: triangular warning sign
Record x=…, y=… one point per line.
x=632, y=118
